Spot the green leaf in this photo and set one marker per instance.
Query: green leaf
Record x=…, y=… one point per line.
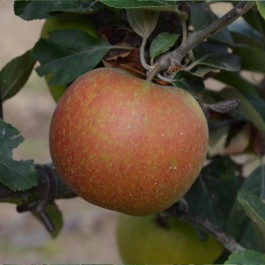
x=162, y=43
x=254, y=208
x=143, y=22
x=202, y=16
x=252, y=196
x=216, y=56
x=238, y=222
x=253, y=182
x=84, y=6
x=55, y=217
x=35, y=9
x=252, y=59
x=29, y=10
x=16, y=175
x=261, y=7
x=222, y=61
x=188, y=81
x=251, y=105
x=243, y=230
x=234, y=79
x=246, y=257
x=255, y=19
x=67, y=54
x=239, y=225
x=15, y=74
x=243, y=33
x=213, y=194
x=202, y=71
x=139, y=4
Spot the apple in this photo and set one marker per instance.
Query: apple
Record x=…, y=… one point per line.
x=66, y=21
x=142, y=240
x=127, y=144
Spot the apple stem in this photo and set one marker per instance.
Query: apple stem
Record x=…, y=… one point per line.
x=174, y=58
x=153, y=73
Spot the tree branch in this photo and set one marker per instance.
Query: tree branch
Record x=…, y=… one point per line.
x=36, y=200
x=50, y=187
x=174, y=58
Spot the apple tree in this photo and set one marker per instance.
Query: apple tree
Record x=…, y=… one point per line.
x=218, y=59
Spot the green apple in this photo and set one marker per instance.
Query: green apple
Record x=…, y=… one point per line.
x=127, y=144
x=142, y=240
x=66, y=21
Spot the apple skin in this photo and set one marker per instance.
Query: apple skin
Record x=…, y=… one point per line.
x=66, y=21
x=141, y=240
x=127, y=144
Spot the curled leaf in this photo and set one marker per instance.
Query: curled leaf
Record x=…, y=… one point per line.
x=143, y=22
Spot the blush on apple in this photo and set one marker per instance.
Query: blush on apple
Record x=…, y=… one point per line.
x=127, y=144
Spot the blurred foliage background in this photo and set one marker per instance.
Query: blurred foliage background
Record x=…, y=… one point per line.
x=89, y=231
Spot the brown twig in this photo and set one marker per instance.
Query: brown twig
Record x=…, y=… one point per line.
x=174, y=58
x=228, y=241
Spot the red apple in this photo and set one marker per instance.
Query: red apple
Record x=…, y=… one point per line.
x=127, y=144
